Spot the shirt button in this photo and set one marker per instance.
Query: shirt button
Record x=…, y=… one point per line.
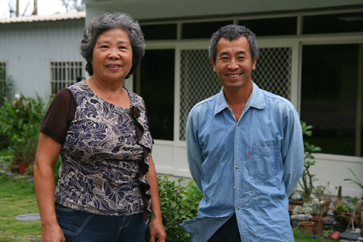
x=234, y=187
x=237, y=166
x=237, y=208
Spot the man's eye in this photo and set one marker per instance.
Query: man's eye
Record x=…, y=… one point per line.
x=104, y=46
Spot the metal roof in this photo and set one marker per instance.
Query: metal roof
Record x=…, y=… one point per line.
x=43, y=18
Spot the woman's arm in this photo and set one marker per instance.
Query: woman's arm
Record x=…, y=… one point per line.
x=156, y=224
x=45, y=160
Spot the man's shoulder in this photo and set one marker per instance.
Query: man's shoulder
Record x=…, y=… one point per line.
x=205, y=105
x=274, y=100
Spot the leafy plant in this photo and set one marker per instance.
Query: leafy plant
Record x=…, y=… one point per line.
x=320, y=192
x=356, y=181
x=306, y=209
x=178, y=203
x=6, y=87
x=21, y=120
x=309, y=160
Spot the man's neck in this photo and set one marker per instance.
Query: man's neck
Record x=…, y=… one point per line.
x=237, y=98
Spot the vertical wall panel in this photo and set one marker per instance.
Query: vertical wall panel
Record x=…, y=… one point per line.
x=28, y=49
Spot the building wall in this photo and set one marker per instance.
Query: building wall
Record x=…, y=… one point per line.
x=29, y=47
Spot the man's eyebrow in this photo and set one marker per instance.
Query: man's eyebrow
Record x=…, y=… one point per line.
x=223, y=53
x=238, y=53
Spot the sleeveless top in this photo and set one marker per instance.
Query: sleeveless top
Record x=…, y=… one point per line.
x=104, y=155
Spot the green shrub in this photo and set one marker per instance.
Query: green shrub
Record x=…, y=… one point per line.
x=178, y=202
x=20, y=120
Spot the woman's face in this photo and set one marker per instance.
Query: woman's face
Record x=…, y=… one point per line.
x=112, y=56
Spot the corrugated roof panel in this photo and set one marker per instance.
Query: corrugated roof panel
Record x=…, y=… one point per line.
x=42, y=18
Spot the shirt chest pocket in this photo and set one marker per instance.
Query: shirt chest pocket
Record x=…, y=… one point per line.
x=264, y=162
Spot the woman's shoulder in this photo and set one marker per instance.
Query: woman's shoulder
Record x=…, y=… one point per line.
x=136, y=99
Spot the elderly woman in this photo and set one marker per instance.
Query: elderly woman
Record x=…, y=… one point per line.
x=100, y=130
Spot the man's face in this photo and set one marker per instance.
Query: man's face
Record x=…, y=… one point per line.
x=234, y=62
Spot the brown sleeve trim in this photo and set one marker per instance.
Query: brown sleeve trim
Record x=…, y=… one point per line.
x=59, y=116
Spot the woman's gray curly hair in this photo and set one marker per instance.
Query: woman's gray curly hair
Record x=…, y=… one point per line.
x=109, y=21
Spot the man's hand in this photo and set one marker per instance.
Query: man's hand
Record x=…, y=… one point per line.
x=157, y=230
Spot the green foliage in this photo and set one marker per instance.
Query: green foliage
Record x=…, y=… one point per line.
x=302, y=236
x=17, y=197
x=6, y=87
x=20, y=120
x=309, y=160
x=342, y=208
x=356, y=181
x=56, y=170
x=178, y=203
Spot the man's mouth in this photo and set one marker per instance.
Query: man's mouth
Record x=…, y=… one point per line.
x=234, y=75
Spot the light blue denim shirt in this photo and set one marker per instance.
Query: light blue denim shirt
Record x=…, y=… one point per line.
x=249, y=167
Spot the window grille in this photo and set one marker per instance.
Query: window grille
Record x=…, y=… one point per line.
x=64, y=74
x=273, y=71
x=198, y=81
x=2, y=76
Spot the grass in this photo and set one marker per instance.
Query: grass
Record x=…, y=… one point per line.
x=17, y=197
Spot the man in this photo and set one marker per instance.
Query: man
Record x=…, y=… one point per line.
x=245, y=150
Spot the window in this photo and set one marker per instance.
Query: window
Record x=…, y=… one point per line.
x=202, y=30
x=331, y=97
x=64, y=74
x=2, y=77
x=160, y=31
x=333, y=23
x=154, y=82
x=271, y=26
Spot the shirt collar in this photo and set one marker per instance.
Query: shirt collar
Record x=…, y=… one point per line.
x=256, y=100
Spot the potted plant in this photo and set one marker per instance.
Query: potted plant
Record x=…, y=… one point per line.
x=21, y=119
x=307, y=178
x=307, y=225
x=322, y=201
x=318, y=218
x=300, y=214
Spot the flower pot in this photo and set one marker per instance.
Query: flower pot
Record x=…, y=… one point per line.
x=22, y=167
x=335, y=235
x=14, y=166
x=296, y=219
x=307, y=226
x=293, y=204
x=318, y=225
x=324, y=207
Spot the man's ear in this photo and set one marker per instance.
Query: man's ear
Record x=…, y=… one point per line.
x=214, y=66
x=254, y=63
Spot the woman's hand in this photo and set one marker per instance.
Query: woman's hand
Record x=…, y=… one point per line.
x=156, y=225
x=52, y=233
x=157, y=230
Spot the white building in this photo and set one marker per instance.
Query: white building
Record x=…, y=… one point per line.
x=41, y=52
x=311, y=53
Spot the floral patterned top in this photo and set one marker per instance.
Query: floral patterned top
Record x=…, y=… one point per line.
x=104, y=155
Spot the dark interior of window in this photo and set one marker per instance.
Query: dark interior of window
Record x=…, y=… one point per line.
x=333, y=23
x=159, y=32
x=332, y=96
x=203, y=30
x=154, y=82
x=271, y=26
